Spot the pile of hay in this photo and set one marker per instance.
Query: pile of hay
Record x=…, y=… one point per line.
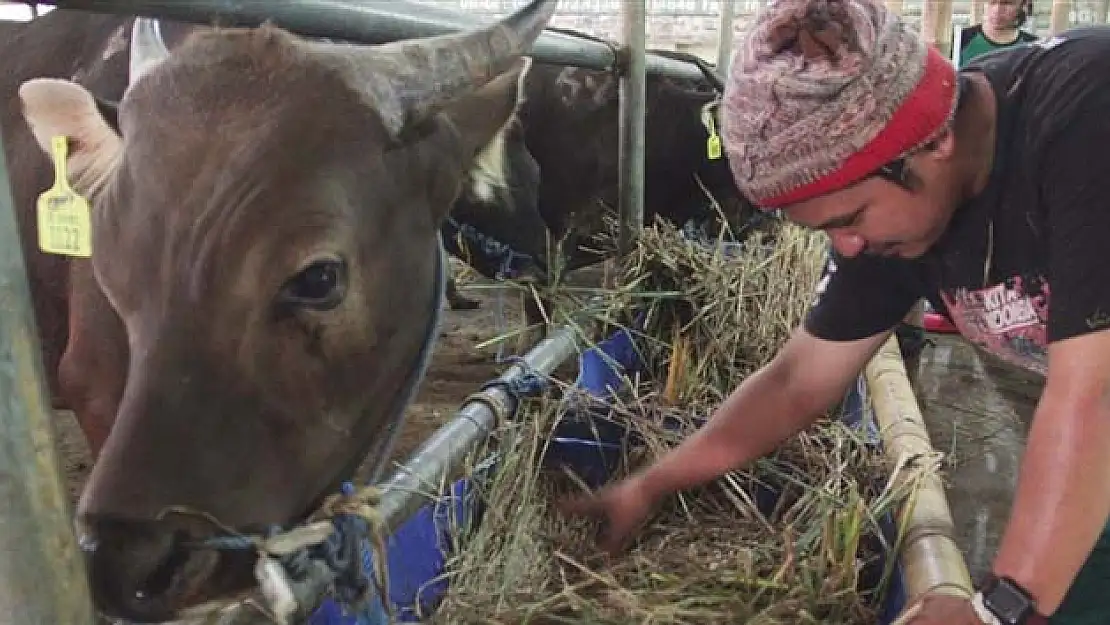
x=714, y=554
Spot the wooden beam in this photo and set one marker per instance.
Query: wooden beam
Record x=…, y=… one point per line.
x=936, y=25
x=1061, y=16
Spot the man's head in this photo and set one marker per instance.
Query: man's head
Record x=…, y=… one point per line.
x=839, y=114
x=1003, y=15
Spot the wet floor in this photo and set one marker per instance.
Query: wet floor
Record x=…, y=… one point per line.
x=978, y=411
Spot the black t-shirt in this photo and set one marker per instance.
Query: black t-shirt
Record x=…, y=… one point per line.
x=1043, y=220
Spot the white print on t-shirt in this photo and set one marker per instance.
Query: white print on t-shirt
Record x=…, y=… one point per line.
x=1004, y=319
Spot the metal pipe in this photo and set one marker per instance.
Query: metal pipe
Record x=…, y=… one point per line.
x=724, y=40
x=371, y=23
x=42, y=577
x=443, y=453
x=632, y=113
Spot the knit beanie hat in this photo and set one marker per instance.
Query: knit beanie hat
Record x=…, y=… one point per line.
x=822, y=93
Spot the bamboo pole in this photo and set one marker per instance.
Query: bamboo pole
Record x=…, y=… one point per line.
x=977, y=7
x=931, y=561
x=1061, y=16
x=936, y=25
x=726, y=26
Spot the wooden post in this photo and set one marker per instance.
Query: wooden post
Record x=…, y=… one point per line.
x=724, y=36
x=1061, y=16
x=936, y=24
x=977, y=11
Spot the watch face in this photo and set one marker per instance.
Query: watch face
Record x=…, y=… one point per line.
x=1007, y=603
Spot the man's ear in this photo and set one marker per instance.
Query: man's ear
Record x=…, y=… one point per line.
x=943, y=147
x=54, y=107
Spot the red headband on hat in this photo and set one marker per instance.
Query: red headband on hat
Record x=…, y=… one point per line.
x=918, y=120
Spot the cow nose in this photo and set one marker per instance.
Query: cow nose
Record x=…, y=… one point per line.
x=146, y=570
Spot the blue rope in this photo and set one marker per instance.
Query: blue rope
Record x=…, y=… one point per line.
x=529, y=384
x=333, y=579
x=507, y=259
x=491, y=248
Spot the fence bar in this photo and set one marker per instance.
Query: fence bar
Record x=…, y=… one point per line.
x=42, y=577
x=443, y=453
x=724, y=40
x=370, y=22
x=930, y=558
x=632, y=113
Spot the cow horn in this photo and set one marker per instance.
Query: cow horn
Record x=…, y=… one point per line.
x=410, y=80
x=147, y=48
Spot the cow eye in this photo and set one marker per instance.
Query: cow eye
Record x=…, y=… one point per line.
x=319, y=286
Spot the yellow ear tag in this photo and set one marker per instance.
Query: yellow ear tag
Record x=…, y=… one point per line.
x=63, y=215
x=713, y=147
x=713, y=143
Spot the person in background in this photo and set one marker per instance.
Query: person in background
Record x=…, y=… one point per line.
x=983, y=190
x=1001, y=28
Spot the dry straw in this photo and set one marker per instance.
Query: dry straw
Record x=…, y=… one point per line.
x=713, y=554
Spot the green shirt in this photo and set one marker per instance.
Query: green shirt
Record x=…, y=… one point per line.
x=974, y=42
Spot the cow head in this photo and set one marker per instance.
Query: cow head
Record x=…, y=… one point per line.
x=265, y=224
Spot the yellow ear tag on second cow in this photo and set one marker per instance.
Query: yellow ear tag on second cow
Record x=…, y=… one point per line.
x=713, y=143
x=64, y=222
x=713, y=147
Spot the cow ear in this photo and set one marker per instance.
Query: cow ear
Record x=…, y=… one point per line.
x=54, y=107
x=109, y=111
x=481, y=117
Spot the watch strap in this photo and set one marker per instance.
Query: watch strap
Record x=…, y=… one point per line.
x=982, y=612
x=989, y=583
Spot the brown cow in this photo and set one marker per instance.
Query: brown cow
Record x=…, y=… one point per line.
x=265, y=275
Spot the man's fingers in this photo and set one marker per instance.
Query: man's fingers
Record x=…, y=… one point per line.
x=579, y=505
x=613, y=538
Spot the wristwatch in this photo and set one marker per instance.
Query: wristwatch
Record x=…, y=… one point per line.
x=1001, y=600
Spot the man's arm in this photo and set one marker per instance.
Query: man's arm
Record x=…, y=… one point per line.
x=1063, y=497
x=858, y=303
x=806, y=377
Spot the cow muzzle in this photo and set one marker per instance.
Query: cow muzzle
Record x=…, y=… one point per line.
x=151, y=571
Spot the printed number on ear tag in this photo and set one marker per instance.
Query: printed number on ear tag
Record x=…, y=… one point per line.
x=64, y=222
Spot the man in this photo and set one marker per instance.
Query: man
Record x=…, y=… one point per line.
x=1000, y=29
x=977, y=191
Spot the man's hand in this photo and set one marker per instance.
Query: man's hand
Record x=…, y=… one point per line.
x=622, y=508
x=940, y=610
x=782, y=398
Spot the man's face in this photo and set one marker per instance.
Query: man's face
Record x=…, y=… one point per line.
x=1002, y=13
x=881, y=217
